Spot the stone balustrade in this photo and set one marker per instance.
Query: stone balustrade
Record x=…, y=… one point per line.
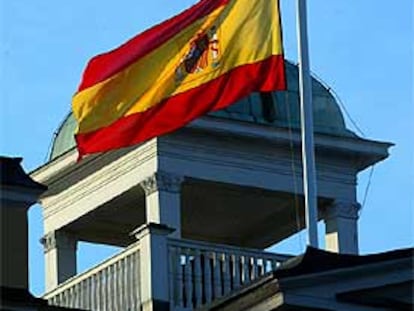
x=198, y=273
x=112, y=285
x=201, y=272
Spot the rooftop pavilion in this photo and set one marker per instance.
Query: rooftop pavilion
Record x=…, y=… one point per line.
x=228, y=185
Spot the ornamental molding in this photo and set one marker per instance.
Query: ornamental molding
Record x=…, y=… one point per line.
x=162, y=181
x=99, y=179
x=274, y=161
x=57, y=239
x=343, y=209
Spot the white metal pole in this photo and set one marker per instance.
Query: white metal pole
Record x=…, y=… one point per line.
x=308, y=157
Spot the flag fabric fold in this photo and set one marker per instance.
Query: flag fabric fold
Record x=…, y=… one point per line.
x=201, y=60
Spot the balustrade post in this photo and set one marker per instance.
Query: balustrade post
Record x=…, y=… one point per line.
x=198, y=278
x=226, y=274
x=188, y=280
x=154, y=266
x=245, y=270
x=254, y=268
x=236, y=271
x=217, y=275
x=179, y=278
x=207, y=277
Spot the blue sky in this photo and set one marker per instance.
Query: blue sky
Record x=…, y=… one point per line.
x=362, y=49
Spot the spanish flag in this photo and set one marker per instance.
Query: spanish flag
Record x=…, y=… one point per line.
x=201, y=60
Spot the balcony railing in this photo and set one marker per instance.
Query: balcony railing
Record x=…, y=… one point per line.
x=110, y=286
x=201, y=272
x=198, y=273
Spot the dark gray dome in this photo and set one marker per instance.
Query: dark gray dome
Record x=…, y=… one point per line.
x=278, y=109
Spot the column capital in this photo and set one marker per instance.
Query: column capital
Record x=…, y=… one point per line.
x=162, y=181
x=57, y=239
x=342, y=209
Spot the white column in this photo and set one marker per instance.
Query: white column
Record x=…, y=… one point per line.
x=341, y=223
x=154, y=276
x=163, y=200
x=60, y=258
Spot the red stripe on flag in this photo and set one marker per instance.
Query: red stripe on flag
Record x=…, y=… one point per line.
x=176, y=111
x=105, y=65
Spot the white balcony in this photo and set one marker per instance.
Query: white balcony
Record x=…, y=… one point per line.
x=198, y=273
x=112, y=285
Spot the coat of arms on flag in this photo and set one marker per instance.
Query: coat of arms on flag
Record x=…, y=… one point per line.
x=203, y=52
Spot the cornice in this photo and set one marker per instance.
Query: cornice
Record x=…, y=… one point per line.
x=99, y=179
x=240, y=156
x=49, y=170
x=67, y=163
x=370, y=151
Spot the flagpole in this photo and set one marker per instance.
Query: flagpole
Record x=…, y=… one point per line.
x=308, y=157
